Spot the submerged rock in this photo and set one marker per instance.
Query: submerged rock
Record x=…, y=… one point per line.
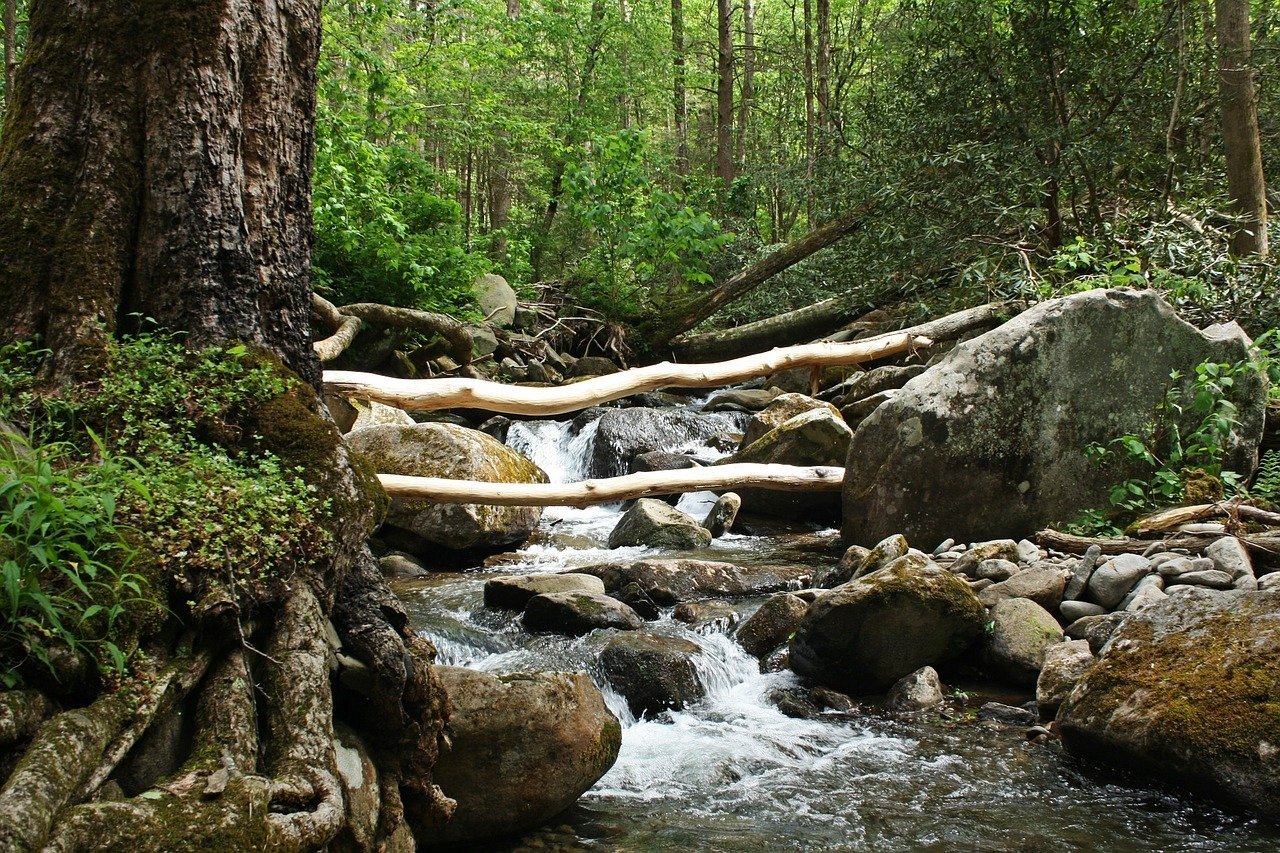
x=656, y=524
x=654, y=673
x=863, y=636
x=525, y=747
x=457, y=453
x=1187, y=690
x=989, y=440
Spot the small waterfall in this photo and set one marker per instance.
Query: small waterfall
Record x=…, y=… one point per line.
x=555, y=447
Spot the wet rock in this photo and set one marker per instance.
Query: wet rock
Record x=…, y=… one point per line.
x=654, y=673
x=1043, y=584
x=997, y=570
x=1020, y=634
x=703, y=613
x=865, y=635
x=575, y=613
x=662, y=460
x=918, y=691
x=1064, y=665
x=963, y=449
x=637, y=599
x=1073, y=610
x=458, y=453
x=816, y=437
x=525, y=747
x=997, y=549
x=841, y=572
x=722, y=515
x=670, y=581
x=1081, y=572
x=1184, y=691
x=772, y=624
x=780, y=410
x=655, y=524
x=1111, y=581
x=1096, y=629
x=400, y=565
x=1009, y=715
x=624, y=434
x=512, y=592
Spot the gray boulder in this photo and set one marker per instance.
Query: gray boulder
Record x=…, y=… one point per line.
x=997, y=549
x=780, y=410
x=863, y=636
x=1186, y=690
x=657, y=524
x=577, y=613
x=1097, y=630
x=654, y=673
x=1111, y=582
x=512, y=592
x=525, y=747
x=671, y=581
x=623, y=434
x=918, y=691
x=457, y=453
x=771, y=625
x=1064, y=665
x=1042, y=584
x=723, y=514
x=1021, y=634
x=989, y=441
x=815, y=437
x=497, y=299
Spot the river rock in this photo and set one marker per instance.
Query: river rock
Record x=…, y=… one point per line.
x=917, y=691
x=1042, y=583
x=654, y=673
x=670, y=581
x=372, y=413
x=525, y=747
x=661, y=460
x=361, y=786
x=1021, y=633
x=815, y=437
x=988, y=441
x=576, y=613
x=997, y=570
x=1096, y=629
x=1186, y=690
x=781, y=409
x=591, y=365
x=657, y=524
x=399, y=565
x=1230, y=556
x=456, y=453
x=771, y=625
x=1148, y=591
x=1008, y=715
x=512, y=592
x=1073, y=610
x=623, y=434
x=497, y=299
x=862, y=385
x=1064, y=665
x=885, y=552
x=996, y=549
x=723, y=514
x=741, y=399
x=703, y=614
x=842, y=572
x=1081, y=572
x=638, y=600
x=1111, y=582
x=863, y=636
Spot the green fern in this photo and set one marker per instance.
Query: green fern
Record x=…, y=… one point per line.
x=1267, y=484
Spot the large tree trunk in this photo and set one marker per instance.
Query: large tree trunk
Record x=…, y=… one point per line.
x=1240, y=136
x=10, y=47
x=156, y=163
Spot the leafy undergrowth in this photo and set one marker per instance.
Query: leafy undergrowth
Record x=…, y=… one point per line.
x=124, y=500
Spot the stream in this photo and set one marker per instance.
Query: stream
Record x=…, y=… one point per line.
x=734, y=773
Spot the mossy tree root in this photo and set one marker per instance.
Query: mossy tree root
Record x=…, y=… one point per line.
x=21, y=713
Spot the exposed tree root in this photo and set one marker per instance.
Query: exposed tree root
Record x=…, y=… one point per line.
x=21, y=713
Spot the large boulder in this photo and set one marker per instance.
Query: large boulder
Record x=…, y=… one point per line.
x=815, y=437
x=525, y=747
x=670, y=581
x=623, y=434
x=657, y=524
x=654, y=673
x=1021, y=633
x=457, y=453
x=1187, y=689
x=497, y=299
x=783, y=408
x=989, y=441
x=863, y=636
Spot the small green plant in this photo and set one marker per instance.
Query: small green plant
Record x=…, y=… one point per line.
x=1267, y=483
x=66, y=578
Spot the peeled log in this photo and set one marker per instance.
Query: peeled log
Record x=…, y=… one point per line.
x=427, y=394
x=789, y=478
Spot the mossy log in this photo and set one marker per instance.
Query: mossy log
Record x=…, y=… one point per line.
x=641, y=485
x=427, y=394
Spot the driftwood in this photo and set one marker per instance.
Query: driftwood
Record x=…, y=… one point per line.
x=1059, y=541
x=346, y=327
x=427, y=394
x=1170, y=519
x=347, y=319
x=645, y=484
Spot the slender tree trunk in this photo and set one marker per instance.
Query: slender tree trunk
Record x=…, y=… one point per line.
x=824, y=68
x=809, y=154
x=679, y=105
x=747, y=102
x=1174, y=137
x=1240, y=136
x=10, y=48
x=724, y=94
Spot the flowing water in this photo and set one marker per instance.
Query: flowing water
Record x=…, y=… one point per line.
x=733, y=773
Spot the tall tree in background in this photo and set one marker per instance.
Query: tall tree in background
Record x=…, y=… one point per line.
x=1240, y=138
x=679, y=80
x=10, y=47
x=724, y=92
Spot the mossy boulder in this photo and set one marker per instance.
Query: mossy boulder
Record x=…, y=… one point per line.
x=863, y=636
x=457, y=453
x=781, y=409
x=525, y=747
x=815, y=437
x=655, y=673
x=771, y=625
x=656, y=524
x=1188, y=689
x=577, y=613
x=512, y=592
x=989, y=441
x=1021, y=633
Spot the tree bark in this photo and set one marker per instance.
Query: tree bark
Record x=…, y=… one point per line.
x=753, y=276
x=789, y=478
x=809, y=111
x=679, y=105
x=429, y=394
x=1240, y=137
x=724, y=93
x=747, y=100
x=10, y=48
